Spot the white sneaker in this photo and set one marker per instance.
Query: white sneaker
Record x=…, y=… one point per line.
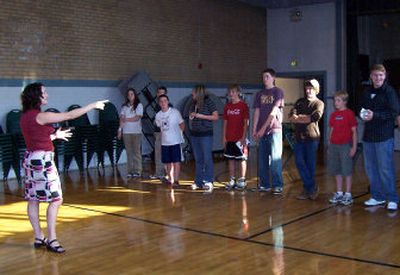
x=208, y=186
x=156, y=177
x=336, y=198
x=392, y=206
x=347, y=199
x=231, y=183
x=373, y=202
x=241, y=184
x=195, y=187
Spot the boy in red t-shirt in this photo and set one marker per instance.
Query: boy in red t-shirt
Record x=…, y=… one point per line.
x=236, y=120
x=342, y=147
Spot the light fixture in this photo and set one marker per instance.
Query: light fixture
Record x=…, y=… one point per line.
x=296, y=15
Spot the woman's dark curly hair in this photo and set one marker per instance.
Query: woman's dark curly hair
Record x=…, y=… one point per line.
x=31, y=96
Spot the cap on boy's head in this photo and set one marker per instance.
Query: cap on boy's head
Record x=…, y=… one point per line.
x=312, y=83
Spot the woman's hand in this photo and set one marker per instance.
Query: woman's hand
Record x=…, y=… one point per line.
x=63, y=134
x=100, y=104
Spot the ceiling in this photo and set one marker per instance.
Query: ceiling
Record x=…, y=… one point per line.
x=276, y=4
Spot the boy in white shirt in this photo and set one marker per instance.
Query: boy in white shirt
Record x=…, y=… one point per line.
x=172, y=125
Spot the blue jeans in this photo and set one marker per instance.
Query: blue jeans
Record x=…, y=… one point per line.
x=306, y=161
x=202, y=150
x=270, y=160
x=379, y=166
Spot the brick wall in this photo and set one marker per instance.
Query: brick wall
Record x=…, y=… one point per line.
x=111, y=39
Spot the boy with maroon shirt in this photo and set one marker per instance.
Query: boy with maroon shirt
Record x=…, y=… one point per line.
x=267, y=129
x=342, y=147
x=236, y=120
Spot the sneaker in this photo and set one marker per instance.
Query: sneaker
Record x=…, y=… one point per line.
x=241, y=184
x=155, y=177
x=392, y=206
x=336, y=198
x=373, y=202
x=208, y=186
x=264, y=189
x=277, y=190
x=195, y=186
x=136, y=175
x=347, y=199
x=303, y=195
x=313, y=196
x=231, y=183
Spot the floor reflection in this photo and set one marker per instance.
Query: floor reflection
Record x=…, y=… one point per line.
x=278, y=262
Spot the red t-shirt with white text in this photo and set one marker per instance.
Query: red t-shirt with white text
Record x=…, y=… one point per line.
x=235, y=115
x=341, y=123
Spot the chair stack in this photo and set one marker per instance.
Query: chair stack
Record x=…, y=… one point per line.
x=17, y=142
x=58, y=144
x=8, y=157
x=85, y=140
x=108, y=127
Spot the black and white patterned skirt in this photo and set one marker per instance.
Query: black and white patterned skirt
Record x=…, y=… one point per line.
x=42, y=182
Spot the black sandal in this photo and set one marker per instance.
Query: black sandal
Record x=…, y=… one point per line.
x=55, y=249
x=39, y=243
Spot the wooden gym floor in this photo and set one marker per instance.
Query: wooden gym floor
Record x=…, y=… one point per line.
x=110, y=225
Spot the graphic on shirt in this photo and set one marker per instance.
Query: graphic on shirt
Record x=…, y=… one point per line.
x=339, y=117
x=267, y=99
x=165, y=123
x=233, y=112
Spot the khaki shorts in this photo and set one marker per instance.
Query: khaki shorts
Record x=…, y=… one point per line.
x=339, y=160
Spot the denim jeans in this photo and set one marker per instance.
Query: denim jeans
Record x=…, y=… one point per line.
x=379, y=166
x=270, y=160
x=202, y=150
x=306, y=161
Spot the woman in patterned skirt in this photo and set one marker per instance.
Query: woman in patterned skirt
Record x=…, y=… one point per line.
x=42, y=182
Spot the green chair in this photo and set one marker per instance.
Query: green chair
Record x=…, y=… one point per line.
x=83, y=120
x=8, y=157
x=109, y=123
x=88, y=136
x=12, y=121
x=57, y=124
x=73, y=148
x=13, y=128
x=59, y=145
